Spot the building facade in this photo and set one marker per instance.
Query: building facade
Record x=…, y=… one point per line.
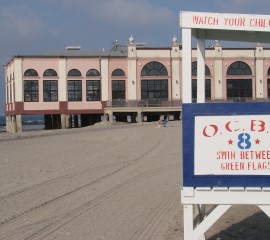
x=131, y=83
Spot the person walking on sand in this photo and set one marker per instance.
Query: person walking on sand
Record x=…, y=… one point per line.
x=162, y=123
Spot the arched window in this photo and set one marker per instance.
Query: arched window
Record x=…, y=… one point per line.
x=93, y=72
x=49, y=73
x=30, y=73
x=154, y=69
x=239, y=88
x=194, y=69
x=268, y=72
x=118, y=72
x=74, y=72
x=239, y=68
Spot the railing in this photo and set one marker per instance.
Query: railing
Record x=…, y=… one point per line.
x=144, y=103
x=174, y=103
x=238, y=99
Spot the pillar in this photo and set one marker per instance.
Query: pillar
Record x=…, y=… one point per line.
x=111, y=117
x=260, y=82
x=68, y=121
x=186, y=65
x=13, y=124
x=201, y=66
x=219, y=81
x=139, y=117
x=8, y=124
x=63, y=121
x=18, y=119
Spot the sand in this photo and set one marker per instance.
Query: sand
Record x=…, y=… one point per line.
x=107, y=181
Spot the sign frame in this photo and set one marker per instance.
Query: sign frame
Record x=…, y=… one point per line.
x=190, y=111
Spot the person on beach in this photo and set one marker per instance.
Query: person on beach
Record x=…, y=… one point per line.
x=162, y=123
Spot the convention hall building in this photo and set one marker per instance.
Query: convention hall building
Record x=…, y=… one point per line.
x=131, y=83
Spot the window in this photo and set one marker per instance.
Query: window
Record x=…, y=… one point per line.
x=50, y=90
x=239, y=89
x=74, y=90
x=239, y=68
x=207, y=89
x=31, y=91
x=30, y=73
x=50, y=73
x=154, y=90
x=194, y=69
x=154, y=69
x=268, y=88
x=118, y=72
x=118, y=89
x=93, y=90
x=74, y=72
x=93, y=72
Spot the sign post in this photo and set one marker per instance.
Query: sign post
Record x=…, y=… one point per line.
x=226, y=154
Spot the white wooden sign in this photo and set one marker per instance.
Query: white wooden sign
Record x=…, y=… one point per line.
x=225, y=21
x=232, y=145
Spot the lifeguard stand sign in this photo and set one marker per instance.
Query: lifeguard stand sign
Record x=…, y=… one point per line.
x=226, y=151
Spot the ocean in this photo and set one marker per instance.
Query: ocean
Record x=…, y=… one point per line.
x=30, y=122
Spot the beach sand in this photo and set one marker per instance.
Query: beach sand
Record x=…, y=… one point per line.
x=107, y=181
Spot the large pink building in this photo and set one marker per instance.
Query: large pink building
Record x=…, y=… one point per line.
x=130, y=83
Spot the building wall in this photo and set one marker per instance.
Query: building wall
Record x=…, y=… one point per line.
x=217, y=59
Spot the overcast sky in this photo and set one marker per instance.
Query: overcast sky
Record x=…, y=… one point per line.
x=33, y=26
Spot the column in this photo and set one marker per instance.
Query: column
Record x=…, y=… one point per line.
x=8, y=124
x=13, y=124
x=139, y=117
x=201, y=66
x=63, y=121
x=19, y=123
x=219, y=80
x=186, y=65
x=111, y=117
x=105, y=79
x=68, y=121
x=259, y=79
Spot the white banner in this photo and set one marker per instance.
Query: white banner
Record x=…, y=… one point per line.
x=232, y=145
x=225, y=21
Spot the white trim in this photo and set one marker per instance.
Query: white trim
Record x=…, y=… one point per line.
x=186, y=63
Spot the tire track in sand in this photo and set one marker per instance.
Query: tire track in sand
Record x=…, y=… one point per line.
x=51, y=225
x=13, y=224
x=151, y=226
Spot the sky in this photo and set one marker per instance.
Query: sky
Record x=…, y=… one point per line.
x=34, y=26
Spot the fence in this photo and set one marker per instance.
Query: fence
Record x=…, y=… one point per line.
x=173, y=103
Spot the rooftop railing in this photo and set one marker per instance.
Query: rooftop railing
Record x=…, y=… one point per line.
x=158, y=103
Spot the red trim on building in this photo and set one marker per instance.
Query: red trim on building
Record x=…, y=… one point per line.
x=63, y=109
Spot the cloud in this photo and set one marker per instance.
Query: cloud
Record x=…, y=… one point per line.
x=126, y=12
x=19, y=23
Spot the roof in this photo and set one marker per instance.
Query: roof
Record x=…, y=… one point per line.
x=121, y=52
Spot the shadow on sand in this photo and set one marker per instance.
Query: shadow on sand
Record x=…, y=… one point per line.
x=255, y=227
